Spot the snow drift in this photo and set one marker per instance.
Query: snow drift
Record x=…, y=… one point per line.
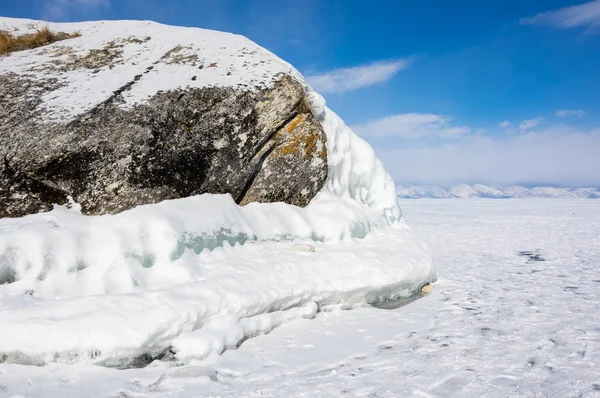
x=190, y=277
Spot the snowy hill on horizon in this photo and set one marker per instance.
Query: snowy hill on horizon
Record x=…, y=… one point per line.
x=465, y=191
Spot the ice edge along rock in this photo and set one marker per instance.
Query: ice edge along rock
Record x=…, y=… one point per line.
x=260, y=145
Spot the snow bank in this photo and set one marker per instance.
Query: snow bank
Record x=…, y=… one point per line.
x=178, y=301
x=62, y=253
x=195, y=276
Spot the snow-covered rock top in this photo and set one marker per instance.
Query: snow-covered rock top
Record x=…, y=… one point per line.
x=173, y=56
x=464, y=191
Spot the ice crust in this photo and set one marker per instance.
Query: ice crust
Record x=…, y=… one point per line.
x=198, y=275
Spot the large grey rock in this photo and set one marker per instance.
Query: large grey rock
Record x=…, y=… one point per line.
x=263, y=145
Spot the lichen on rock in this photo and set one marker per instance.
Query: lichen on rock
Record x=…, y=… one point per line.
x=298, y=154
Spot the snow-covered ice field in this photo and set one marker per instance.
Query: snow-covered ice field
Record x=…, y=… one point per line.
x=515, y=312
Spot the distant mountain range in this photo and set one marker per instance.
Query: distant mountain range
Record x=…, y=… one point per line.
x=464, y=191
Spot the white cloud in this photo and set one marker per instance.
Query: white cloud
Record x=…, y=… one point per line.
x=348, y=79
x=530, y=123
x=411, y=126
x=570, y=112
x=586, y=15
x=504, y=124
x=59, y=8
x=554, y=156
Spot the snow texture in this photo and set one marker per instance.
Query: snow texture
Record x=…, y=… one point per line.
x=184, y=279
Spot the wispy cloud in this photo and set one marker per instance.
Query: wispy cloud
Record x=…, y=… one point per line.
x=530, y=123
x=586, y=15
x=552, y=156
x=60, y=8
x=570, y=112
x=411, y=126
x=504, y=124
x=349, y=79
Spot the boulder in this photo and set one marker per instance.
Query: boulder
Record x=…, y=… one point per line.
x=259, y=145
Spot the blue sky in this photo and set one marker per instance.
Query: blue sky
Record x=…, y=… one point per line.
x=495, y=92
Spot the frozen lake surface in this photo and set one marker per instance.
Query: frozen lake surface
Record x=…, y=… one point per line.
x=515, y=313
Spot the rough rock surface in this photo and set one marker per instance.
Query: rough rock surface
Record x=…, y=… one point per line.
x=260, y=145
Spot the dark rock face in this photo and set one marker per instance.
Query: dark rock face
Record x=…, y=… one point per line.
x=258, y=146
